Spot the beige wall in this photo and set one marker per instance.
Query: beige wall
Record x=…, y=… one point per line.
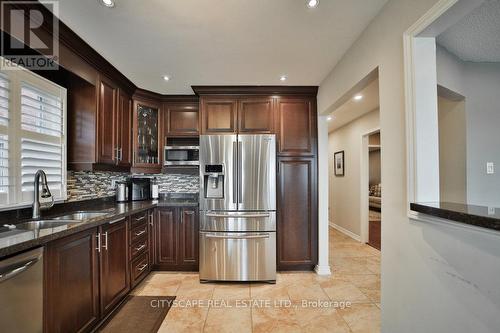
x=452, y=150
x=344, y=192
x=435, y=277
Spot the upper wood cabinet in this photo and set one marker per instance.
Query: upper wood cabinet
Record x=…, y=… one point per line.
x=218, y=115
x=181, y=119
x=106, y=138
x=233, y=114
x=99, y=126
x=297, y=127
x=256, y=115
x=124, y=130
x=148, y=142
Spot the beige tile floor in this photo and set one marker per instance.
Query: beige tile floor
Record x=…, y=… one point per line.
x=355, y=279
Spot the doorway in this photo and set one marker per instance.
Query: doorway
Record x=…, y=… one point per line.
x=371, y=188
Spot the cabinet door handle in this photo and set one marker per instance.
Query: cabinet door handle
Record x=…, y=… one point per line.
x=105, y=246
x=98, y=236
x=140, y=232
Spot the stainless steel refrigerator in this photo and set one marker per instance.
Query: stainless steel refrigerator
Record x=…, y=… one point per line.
x=238, y=207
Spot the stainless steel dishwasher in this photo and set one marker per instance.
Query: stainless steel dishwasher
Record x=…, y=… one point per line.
x=21, y=292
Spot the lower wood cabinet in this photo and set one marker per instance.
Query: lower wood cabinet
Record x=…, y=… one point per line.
x=297, y=228
x=176, y=239
x=86, y=276
x=114, y=276
x=72, y=283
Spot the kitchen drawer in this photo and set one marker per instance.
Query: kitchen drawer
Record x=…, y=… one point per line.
x=139, y=247
x=139, y=218
x=139, y=268
x=238, y=256
x=138, y=231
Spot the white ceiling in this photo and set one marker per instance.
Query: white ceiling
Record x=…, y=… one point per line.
x=476, y=36
x=220, y=42
x=353, y=109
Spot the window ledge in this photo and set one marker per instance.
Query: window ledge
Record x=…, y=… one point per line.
x=479, y=216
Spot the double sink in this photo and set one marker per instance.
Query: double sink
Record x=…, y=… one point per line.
x=54, y=222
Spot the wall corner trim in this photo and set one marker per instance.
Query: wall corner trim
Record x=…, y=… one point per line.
x=323, y=270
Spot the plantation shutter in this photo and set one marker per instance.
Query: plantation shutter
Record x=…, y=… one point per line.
x=5, y=182
x=42, y=141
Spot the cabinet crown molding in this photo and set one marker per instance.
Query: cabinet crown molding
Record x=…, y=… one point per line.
x=256, y=90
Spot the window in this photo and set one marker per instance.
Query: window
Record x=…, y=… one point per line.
x=32, y=136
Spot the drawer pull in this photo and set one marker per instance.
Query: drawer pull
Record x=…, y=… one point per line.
x=141, y=218
x=140, y=247
x=140, y=269
x=140, y=232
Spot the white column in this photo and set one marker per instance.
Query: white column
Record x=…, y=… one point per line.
x=323, y=267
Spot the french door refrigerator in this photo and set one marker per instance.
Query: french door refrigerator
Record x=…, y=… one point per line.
x=238, y=207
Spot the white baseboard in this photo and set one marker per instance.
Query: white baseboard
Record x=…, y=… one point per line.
x=323, y=270
x=345, y=231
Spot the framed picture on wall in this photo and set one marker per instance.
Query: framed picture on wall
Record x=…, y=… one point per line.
x=338, y=160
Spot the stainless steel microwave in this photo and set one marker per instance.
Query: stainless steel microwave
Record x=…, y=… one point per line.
x=181, y=155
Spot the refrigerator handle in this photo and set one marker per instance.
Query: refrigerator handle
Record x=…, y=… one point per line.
x=235, y=168
x=240, y=191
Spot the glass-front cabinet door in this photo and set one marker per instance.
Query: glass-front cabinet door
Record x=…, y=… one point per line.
x=147, y=146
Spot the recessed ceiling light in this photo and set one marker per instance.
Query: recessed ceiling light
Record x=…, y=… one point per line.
x=166, y=77
x=108, y=3
x=358, y=97
x=283, y=78
x=329, y=118
x=312, y=3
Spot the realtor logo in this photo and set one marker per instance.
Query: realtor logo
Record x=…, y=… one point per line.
x=30, y=35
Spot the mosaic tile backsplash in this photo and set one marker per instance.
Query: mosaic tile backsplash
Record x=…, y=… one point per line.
x=90, y=185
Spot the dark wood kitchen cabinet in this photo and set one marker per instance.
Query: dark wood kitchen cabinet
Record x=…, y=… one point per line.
x=72, y=283
x=106, y=138
x=297, y=133
x=148, y=142
x=188, y=239
x=86, y=277
x=181, y=119
x=256, y=115
x=114, y=275
x=124, y=130
x=99, y=126
x=218, y=115
x=176, y=239
x=297, y=214
x=233, y=114
x=140, y=246
x=166, y=237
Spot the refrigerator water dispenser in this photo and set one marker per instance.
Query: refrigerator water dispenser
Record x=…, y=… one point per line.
x=214, y=181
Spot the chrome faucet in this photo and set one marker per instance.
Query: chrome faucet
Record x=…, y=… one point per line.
x=45, y=194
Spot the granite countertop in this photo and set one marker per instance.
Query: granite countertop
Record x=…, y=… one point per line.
x=17, y=240
x=480, y=216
